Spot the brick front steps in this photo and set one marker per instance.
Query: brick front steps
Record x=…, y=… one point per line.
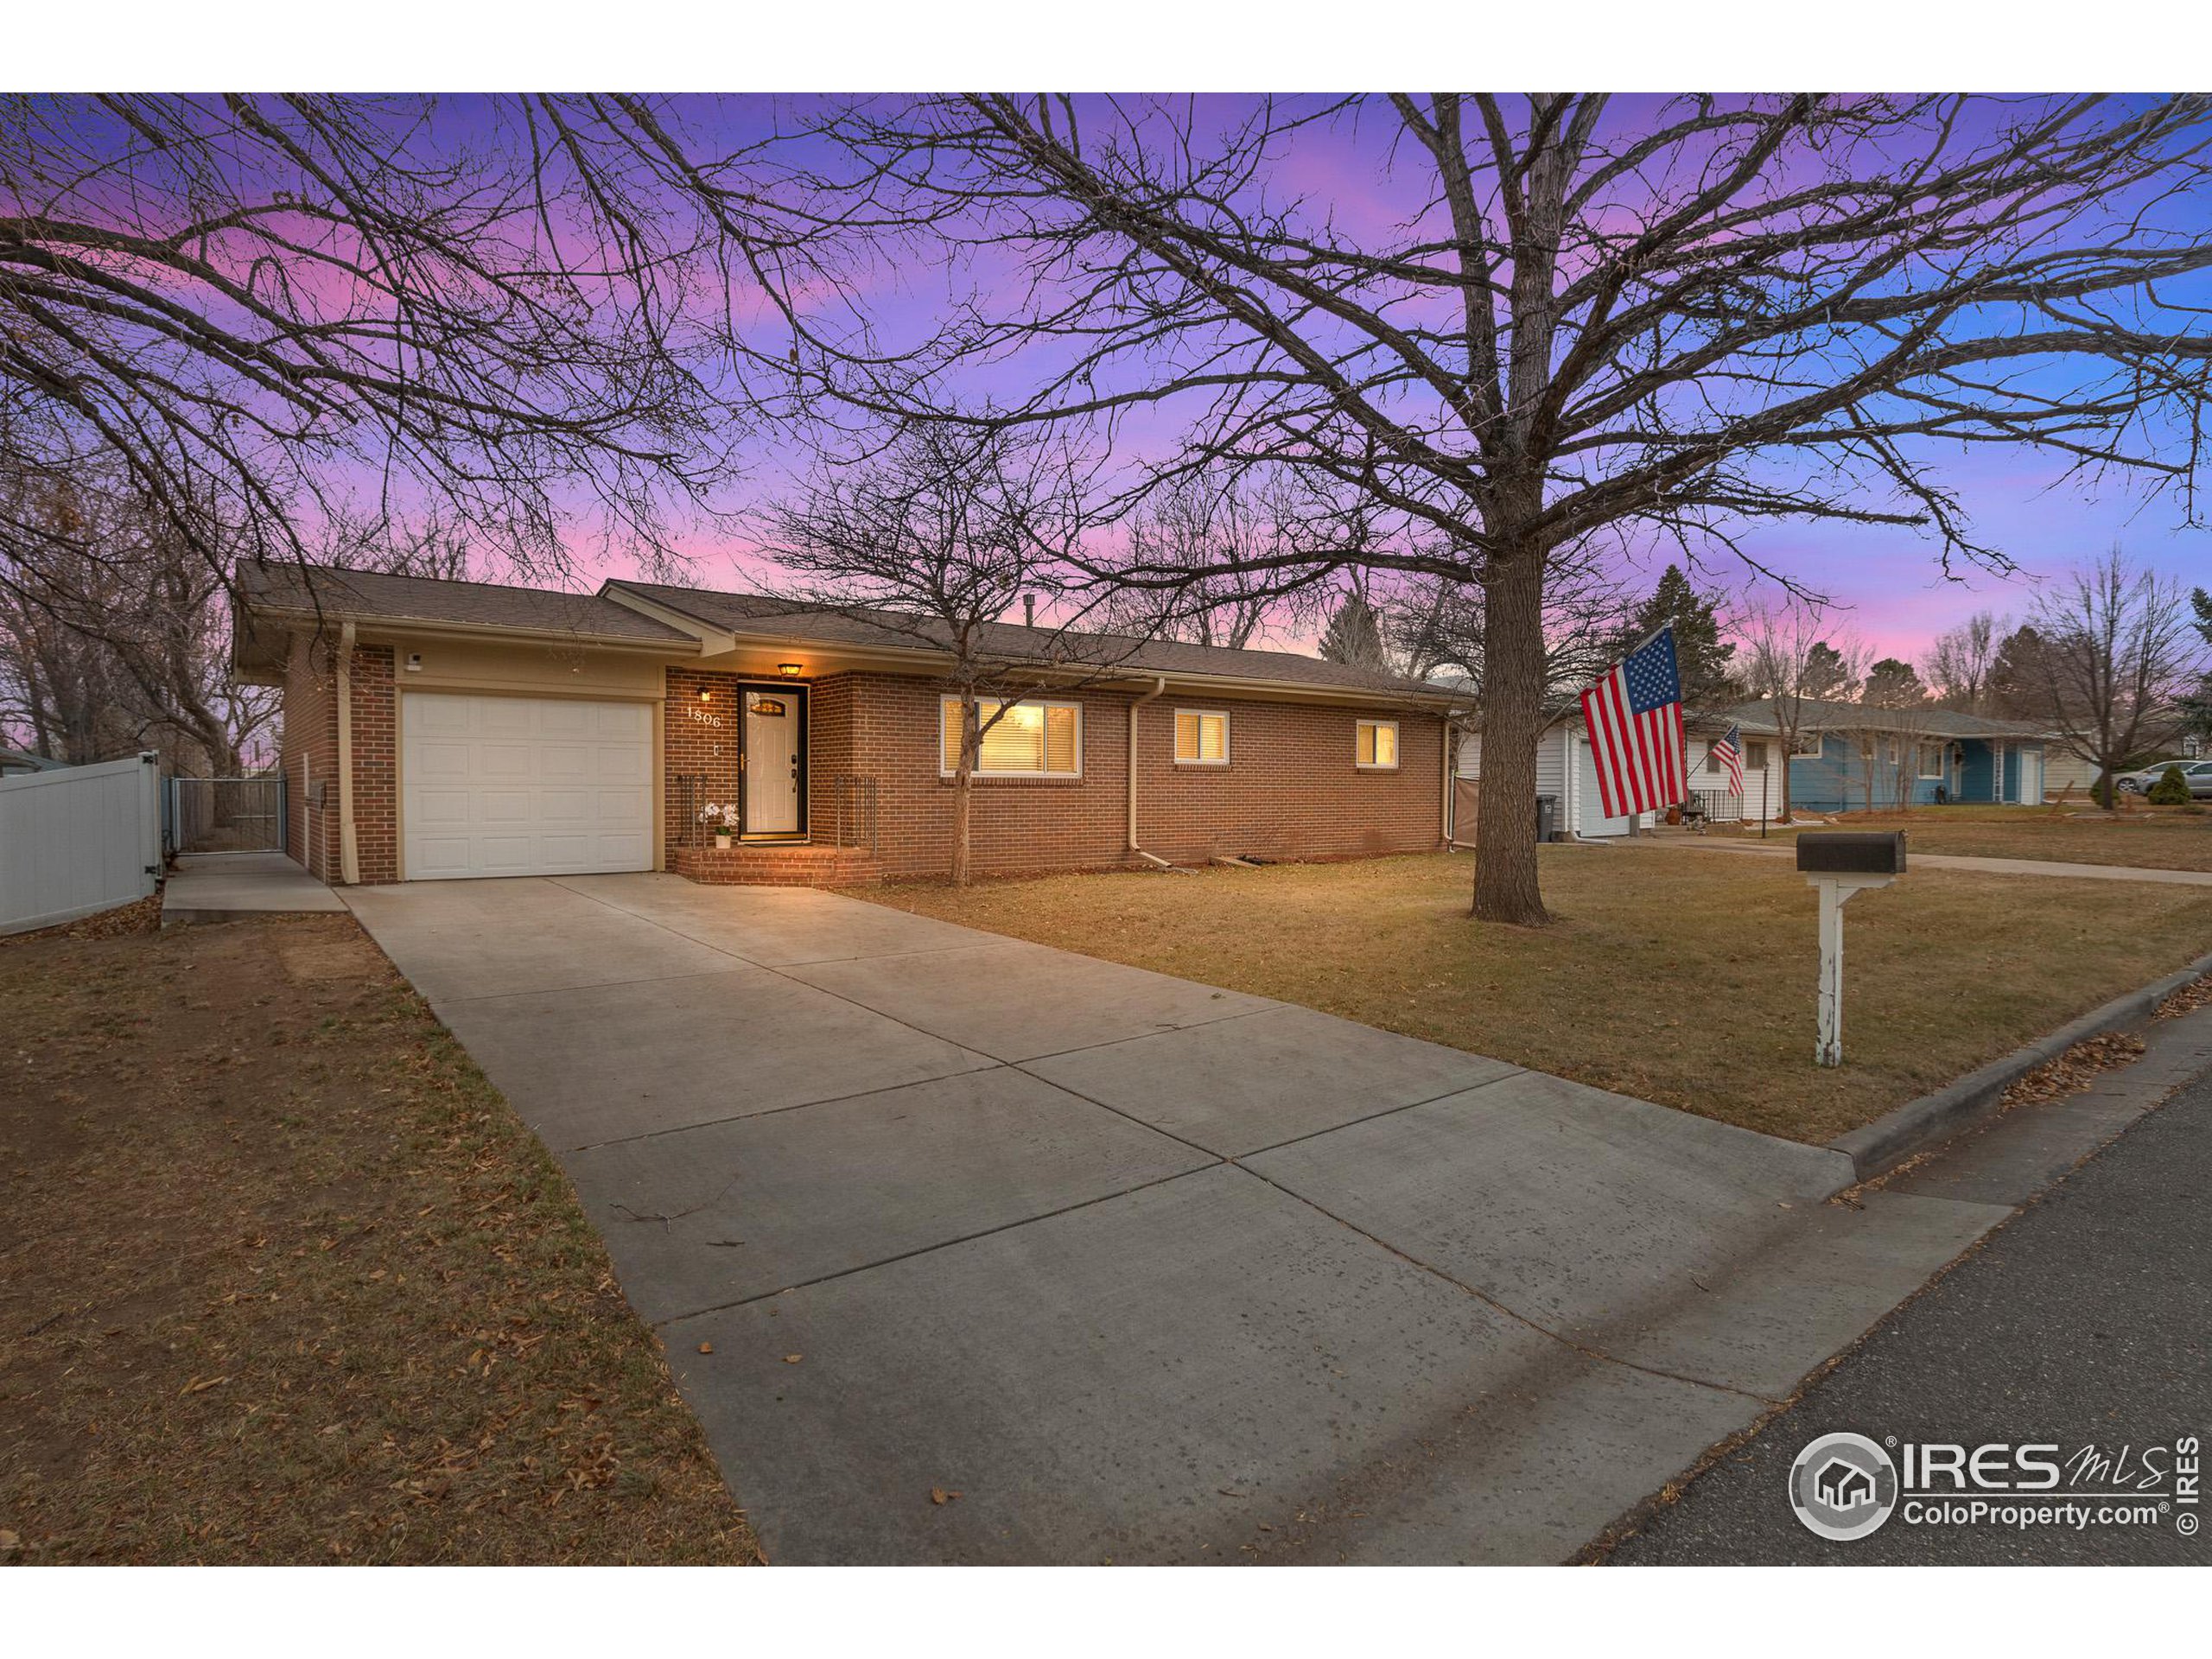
x=776, y=864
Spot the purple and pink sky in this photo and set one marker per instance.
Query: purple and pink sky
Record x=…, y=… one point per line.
x=1888, y=583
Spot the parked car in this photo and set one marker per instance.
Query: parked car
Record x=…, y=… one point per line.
x=2197, y=774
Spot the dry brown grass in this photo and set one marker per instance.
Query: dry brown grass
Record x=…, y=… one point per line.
x=2155, y=838
x=1678, y=976
x=283, y=1278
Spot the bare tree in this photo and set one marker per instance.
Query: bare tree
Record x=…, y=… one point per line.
x=1584, y=320
x=1788, y=662
x=1437, y=625
x=103, y=655
x=1217, y=528
x=264, y=311
x=937, y=535
x=2114, y=661
x=1959, y=666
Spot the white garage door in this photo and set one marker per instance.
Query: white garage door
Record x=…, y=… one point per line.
x=524, y=786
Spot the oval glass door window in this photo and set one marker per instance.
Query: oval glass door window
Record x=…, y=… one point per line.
x=771, y=706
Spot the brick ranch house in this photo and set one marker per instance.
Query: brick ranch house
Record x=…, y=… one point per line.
x=435, y=729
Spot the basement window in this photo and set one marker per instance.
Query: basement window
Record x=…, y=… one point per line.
x=1376, y=747
x=1029, y=740
x=1201, y=738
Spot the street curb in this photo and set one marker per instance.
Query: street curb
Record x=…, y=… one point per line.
x=1935, y=1118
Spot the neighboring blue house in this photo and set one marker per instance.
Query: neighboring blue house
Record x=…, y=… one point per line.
x=1848, y=754
x=1849, y=757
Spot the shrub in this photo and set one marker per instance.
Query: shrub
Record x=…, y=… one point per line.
x=2170, y=790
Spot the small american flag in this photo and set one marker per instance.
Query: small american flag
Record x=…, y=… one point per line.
x=1634, y=717
x=1730, y=749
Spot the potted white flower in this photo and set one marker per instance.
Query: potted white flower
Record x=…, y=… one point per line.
x=722, y=819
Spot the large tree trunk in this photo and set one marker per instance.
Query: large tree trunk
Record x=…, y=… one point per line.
x=1506, y=888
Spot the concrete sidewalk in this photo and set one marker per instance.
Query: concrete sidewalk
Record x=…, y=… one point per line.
x=2069, y=1327
x=228, y=887
x=1143, y=1270
x=2042, y=867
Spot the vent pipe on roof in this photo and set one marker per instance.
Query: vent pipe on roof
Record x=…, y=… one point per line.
x=1029, y=610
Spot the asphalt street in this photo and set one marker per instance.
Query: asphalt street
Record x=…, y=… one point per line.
x=2086, y=1319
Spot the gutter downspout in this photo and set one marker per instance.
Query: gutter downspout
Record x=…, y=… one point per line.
x=1450, y=769
x=1159, y=689
x=349, y=851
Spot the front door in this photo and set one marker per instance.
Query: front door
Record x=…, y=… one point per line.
x=772, y=761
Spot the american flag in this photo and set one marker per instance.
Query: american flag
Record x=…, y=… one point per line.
x=1634, y=717
x=1730, y=749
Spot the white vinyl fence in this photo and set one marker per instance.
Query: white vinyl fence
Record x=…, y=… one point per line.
x=79, y=840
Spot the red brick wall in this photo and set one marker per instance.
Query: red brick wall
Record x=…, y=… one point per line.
x=307, y=752
x=700, y=738
x=1290, y=789
x=376, y=766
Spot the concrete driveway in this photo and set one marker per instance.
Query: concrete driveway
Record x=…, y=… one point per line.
x=1141, y=1269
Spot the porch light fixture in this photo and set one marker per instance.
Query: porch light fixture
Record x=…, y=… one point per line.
x=789, y=670
x=706, y=694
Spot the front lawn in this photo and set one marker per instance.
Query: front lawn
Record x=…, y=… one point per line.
x=1678, y=978
x=2158, y=838
x=282, y=1279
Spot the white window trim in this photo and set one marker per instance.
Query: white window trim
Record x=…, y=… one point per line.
x=1818, y=739
x=1390, y=764
x=1942, y=759
x=1174, y=736
x=943, y=771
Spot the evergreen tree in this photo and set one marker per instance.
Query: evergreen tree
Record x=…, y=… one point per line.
x=1829, y=676
x=1354, y=635
x=1701, y=656
x=2011, y=675
x=1893, y=684
x=2198, y=707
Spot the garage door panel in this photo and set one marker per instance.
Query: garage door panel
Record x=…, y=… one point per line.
x=440, y=810
x=507, y=716
x=628, y=764
x=562, y=809
x=567, y=763
x=524, y=786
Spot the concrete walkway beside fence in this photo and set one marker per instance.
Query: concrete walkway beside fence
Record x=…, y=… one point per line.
x=1141, y=1269
x=231, y=887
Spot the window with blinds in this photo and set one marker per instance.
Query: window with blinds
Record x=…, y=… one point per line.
x=1030, y=740
x=1377, y=745
x=1201, y=738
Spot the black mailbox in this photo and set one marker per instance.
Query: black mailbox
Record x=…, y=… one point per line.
x=1851, y=852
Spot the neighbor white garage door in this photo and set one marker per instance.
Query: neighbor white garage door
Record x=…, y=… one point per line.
x=524, y=786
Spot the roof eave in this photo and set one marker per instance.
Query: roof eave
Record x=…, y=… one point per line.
x=383, y=622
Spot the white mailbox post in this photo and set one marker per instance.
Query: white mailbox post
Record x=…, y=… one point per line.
x=1840, y=866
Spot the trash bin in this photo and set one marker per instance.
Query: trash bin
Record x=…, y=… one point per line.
x=1547, y=817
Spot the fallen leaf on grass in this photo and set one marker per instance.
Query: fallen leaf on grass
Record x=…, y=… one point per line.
x=938, y=1495
x=201, y=1384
